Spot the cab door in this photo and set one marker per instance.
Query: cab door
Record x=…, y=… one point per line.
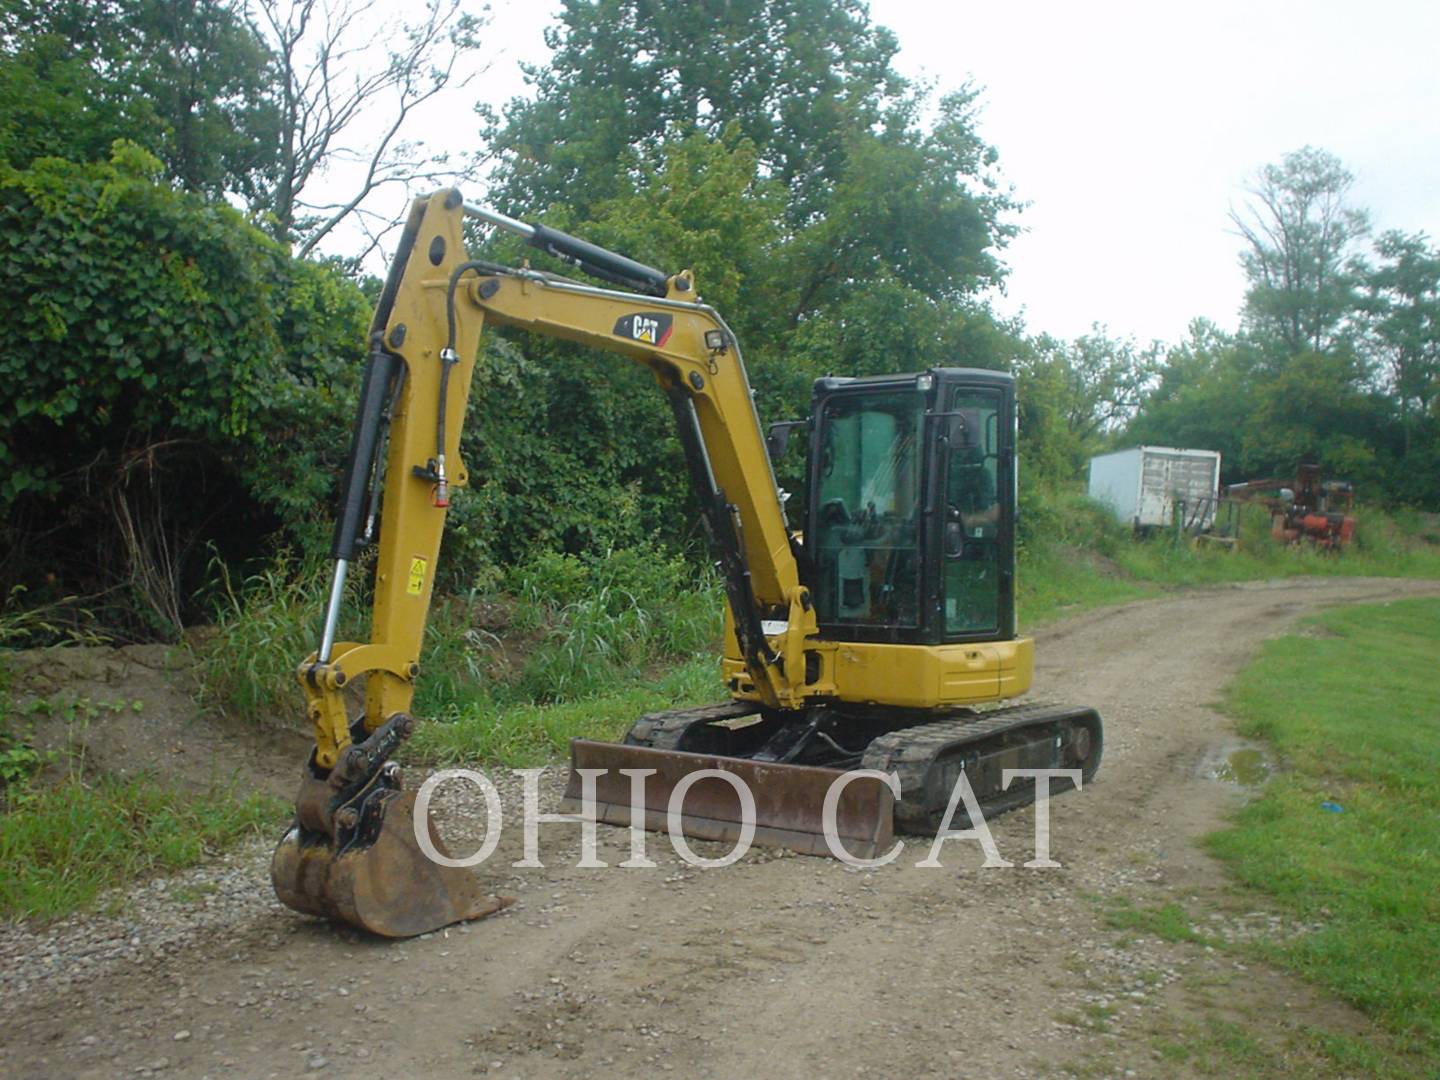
x=976, y=545
x=865, y=530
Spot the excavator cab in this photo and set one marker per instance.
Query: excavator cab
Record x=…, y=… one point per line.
x=910, y=526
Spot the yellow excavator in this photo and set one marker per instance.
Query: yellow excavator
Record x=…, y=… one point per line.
x=865, y=641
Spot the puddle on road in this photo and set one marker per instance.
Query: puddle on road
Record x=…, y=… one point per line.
x=1246, y=767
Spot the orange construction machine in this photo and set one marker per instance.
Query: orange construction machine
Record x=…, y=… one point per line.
x=1310, y=511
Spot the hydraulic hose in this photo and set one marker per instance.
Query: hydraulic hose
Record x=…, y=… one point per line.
x=448, y=359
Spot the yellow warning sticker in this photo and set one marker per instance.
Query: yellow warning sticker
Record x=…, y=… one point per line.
x=417, y=577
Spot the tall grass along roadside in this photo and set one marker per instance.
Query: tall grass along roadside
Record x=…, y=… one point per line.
x=604, y=621
x=603, y=641
x=533, y=734
x=504, y=668
x=1074, y=556
x=1351, y=707
x=265, y=625
x=561, y=630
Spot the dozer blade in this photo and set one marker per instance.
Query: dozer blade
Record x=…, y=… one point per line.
x=789, y=799
x=388, y=887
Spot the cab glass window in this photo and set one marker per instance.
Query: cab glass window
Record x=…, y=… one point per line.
x=867, y=527
x=972, y=525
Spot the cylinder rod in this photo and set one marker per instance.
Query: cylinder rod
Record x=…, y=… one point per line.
x=591, y=258
x=332, y=610
x=494, y=217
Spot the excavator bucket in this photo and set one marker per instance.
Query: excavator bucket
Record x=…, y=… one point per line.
x=390, y=888
x=789, y=800
x=352, y=854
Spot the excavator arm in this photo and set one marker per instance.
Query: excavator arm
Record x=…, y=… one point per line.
x=423, y=344
x=351, y=853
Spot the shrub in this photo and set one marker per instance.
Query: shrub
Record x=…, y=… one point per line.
x=609, y=616
x=173, y=377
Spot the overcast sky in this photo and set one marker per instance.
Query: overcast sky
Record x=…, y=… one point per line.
x=1131, y=128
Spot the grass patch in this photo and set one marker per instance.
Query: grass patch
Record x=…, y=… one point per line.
x=1053, y=581
x=1353, y=713
x=1213, y=1046
x=1271, y=1047
x=62, y=845
x=64, y=842
x=1089, y=1017
x=532, y=734
x=1168, y=922
x=1218, y=1043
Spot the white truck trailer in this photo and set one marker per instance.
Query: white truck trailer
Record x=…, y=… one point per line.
x=1147, y=486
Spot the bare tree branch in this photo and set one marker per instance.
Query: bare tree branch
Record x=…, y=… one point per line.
x=347, y=101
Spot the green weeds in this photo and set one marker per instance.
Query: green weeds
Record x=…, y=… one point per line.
x=577, y=644
x=578, y=635
x=264, y=627
x=1168, y=922
x=24, y=623
x=606, y=639
x=532, y=734
x=605, y=621
x=61, y=845
x=18, y=759
x=1235, y=1039
x=1215, y=1046
x=64, y=841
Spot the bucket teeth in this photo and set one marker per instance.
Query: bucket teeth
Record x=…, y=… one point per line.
x=389, y=887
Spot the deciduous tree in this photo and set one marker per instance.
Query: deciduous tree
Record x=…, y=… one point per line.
x=837, y=219
x=188, y=80
x=173, y=377
x=1300, y=232
x=1402, y=302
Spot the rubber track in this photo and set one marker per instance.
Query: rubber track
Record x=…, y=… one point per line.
x=664, y=730
x=911, y=753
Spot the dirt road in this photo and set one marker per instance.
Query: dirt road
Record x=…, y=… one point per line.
x=777, y=966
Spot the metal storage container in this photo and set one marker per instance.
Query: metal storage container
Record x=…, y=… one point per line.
x=1145, y=485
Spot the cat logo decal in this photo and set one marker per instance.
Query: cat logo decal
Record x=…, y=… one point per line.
x=651, y=327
